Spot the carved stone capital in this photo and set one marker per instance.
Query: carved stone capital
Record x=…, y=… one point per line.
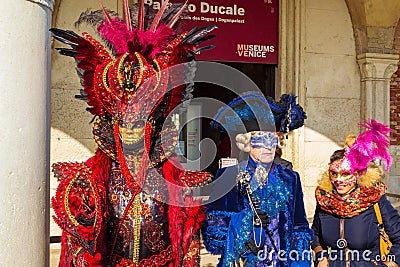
x=377, y=67
x=46, y=3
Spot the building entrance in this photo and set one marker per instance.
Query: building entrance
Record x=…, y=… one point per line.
x=262, y=75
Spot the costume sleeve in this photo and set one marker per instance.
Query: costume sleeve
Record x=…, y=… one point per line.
x=215, y=228
x=184, y=222
x=78, y=211
x=195, y=216
x=317, y=244
x=391, y=222
x=316, y=227
x=302, y=234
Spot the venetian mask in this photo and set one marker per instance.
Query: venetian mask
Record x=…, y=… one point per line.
x=264, y=140
x=131, y=133
x=340, y=174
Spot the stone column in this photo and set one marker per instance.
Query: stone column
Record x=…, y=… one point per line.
x=24, y=135
x=376, y=71
x=289, y=77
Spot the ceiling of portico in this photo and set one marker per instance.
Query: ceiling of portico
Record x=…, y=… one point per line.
x=374, y=23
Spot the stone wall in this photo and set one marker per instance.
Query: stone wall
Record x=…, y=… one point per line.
x=332, y=87
x=393, y=180
x=395, y=108
x=395, y=95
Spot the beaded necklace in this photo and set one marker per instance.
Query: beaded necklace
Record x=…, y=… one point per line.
x=134, y=184
x=261, y=177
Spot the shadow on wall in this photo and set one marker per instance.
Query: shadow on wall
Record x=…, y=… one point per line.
x=69, y=120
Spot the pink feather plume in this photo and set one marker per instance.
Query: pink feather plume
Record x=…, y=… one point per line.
x=370, y=145
x=127, y=15
x=108, y=18
x=146, y=42
x=140, y=21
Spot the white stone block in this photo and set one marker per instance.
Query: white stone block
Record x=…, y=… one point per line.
x=309, y=201
x=332, y=76
x=318, y=153
x=333, y=118
x=331, y=5
x=329, y=32
x=69, y=114
x=312, y=175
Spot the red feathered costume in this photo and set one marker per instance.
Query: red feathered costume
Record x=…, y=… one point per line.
x=131, y=203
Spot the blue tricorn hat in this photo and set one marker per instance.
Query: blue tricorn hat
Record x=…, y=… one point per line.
x=254, y=112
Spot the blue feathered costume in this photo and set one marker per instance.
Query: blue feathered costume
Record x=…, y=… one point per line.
x=231, y=229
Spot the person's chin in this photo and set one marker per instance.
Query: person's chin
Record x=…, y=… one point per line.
x=267, y=159
x=342, y=189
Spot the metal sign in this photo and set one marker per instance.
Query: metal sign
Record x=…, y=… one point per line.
x=247, y=30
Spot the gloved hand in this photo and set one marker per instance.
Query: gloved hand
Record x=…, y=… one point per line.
x=263, y=217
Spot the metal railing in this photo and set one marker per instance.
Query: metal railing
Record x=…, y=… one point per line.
x=55, y=239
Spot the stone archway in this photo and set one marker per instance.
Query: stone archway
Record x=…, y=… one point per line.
x=374, y=24
x=394, y=180
x=374, y=37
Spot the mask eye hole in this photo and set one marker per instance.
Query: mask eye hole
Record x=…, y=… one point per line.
x=333, y=174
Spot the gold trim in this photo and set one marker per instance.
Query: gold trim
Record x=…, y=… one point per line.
x=68, y=189
x=158, y=73
x=140, y=70
x=120, y=66
x=105, y=72
x=137, y=209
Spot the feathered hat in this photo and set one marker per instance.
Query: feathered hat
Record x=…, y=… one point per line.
x=254, y=112
x=370, y=146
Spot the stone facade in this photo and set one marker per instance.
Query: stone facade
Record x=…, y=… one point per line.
x=395, y=96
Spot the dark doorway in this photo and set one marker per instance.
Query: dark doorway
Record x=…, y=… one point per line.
x=261, y=74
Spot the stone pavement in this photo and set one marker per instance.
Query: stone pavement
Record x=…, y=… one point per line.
x=206, y=259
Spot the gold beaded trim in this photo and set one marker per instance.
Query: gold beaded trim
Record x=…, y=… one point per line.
x=105, y=75
x=120, y=67
x=76, y=253
x=192, y=252
x=137, y=209
x=140, y=70
x=157, y=72
x=68, y=189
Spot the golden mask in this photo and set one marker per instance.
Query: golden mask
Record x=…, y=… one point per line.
x=130, y=135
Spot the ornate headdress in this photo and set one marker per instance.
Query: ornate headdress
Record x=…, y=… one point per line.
x=132, y=86
x=254, y=112
x=370, y=146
